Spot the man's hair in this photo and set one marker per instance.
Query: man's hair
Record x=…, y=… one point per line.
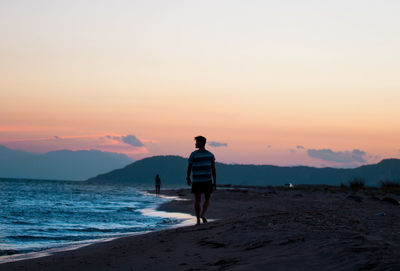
x=201, y=139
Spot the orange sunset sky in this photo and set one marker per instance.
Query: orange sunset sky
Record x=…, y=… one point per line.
x=267, y=82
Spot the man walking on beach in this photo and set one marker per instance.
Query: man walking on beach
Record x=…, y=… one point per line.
x=202, y=163
x=158, y=184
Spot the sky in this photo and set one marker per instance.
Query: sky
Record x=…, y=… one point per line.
x=267, y=82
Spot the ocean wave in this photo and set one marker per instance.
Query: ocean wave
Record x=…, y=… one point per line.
x=20, y=222
x=8, y=252
x=128, y=209
x=51, y=238
x=168, y=221
x=111, y=230
x=49, y=214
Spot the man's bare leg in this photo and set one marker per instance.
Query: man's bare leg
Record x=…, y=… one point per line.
x=205, y=206
x=197, y=199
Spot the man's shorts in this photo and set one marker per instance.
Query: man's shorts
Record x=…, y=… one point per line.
x=202, y=187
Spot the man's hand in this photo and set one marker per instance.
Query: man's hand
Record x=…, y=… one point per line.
x=189, y=181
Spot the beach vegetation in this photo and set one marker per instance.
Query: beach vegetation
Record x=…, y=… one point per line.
x=390, y=186
x=387, y=184
x=357, y=183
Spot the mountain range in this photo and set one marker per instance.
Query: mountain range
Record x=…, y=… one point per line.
x=58, y=165
x=172, y=170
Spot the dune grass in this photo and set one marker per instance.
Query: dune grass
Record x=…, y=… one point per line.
x=357, y=183
x=388, y=184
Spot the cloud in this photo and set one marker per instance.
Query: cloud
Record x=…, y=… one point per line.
x=355, y=155
x=118, y=138
x=299, y=147
x=269, y=146
x=292, y=150
x=217, y=144
x=132, y=140
x=128, y=139
x=374, y=157
x=101, y=142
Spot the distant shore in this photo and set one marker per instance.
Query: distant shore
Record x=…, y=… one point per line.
x=315, y=228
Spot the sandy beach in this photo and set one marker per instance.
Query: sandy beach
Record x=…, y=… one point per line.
x=255, y=229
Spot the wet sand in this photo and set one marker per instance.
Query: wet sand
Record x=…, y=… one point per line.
x=255, y=229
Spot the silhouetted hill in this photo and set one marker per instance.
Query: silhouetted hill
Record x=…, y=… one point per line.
x=144, y=171
x=58, y=165
x=172, y=170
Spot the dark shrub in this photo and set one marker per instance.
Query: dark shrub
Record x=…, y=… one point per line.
x=387, y=184
x=357, y=183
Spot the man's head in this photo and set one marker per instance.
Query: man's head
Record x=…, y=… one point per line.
x=200, y=141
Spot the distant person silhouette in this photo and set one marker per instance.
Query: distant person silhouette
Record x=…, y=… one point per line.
x=158, y=184
x=202, y=166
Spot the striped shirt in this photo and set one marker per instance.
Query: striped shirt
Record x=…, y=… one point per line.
x=201, y=165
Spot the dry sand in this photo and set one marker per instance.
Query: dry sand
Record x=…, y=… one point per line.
x=256, y=229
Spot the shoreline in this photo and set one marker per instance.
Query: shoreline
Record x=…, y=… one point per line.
x=151, y=211
x=256, y=228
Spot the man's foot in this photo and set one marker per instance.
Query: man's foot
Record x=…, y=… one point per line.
x=204, y=219
x=198, y=222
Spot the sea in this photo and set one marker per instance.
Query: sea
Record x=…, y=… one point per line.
x=43, y=215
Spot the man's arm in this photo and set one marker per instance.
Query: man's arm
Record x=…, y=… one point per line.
x=214, y=173
x=189, y=170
